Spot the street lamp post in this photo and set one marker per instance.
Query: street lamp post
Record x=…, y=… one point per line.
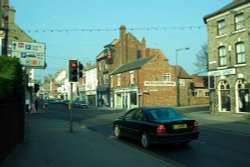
x=177, y=76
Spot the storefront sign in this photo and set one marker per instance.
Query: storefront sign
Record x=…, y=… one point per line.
x=222, y=72
x=159, y=83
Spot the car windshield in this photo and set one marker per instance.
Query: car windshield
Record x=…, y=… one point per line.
x=163, y=113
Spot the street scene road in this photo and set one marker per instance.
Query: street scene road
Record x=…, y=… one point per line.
x=216, y=146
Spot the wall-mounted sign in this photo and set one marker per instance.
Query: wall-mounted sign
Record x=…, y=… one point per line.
x=222, y=72
x=29, y=54
x=159, y=83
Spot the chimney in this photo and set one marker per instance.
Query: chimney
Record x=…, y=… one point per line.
x=12, y=12
x=123, y=50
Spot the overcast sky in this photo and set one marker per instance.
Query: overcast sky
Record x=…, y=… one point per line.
x=80, y=28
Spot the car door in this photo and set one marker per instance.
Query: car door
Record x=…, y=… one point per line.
x=126, y=123
x=137, y=123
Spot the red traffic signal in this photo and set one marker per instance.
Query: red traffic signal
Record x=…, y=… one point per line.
x=73, y=71
x=73, y=65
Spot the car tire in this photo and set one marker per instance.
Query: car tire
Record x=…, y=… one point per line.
x=117, y=131
x=145, y=141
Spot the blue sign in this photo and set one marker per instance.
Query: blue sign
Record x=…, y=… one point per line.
x=23, y=55
x=28, y=47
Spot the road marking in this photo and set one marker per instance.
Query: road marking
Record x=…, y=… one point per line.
x=198, y=141
x=224, y=131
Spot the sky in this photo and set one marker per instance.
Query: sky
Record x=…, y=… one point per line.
x=81, y=28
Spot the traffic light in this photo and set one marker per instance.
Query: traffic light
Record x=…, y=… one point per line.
x=80, y=66
x=73, y=71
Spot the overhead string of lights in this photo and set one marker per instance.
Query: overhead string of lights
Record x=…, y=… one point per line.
x=107, y=29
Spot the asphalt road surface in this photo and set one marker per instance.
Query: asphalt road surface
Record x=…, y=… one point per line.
x=213, y=148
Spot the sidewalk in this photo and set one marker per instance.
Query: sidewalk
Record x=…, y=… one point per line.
x=48, y=143
x=227, y=122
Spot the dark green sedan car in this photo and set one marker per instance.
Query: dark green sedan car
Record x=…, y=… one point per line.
x=156, y=125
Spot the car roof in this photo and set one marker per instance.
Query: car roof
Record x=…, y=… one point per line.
x=154, y=107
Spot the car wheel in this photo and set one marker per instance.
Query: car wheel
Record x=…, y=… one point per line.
x=145, y=142
x=117, y=131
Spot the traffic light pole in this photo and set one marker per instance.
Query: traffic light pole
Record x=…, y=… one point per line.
x=70, y=108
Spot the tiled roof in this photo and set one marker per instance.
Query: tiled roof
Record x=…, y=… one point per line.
x=232, y=5
x=132, y=66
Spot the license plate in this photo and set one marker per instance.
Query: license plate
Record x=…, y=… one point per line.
x=180, y=126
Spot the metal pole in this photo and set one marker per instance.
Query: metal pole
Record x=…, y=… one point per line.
x=70, y=108
x=177, y=76
x=177, y=79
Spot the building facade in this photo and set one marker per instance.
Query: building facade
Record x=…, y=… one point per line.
x=132, y=75
x=228, y=57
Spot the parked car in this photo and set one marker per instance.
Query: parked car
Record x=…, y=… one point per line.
x=80, y=104
x=156, y=125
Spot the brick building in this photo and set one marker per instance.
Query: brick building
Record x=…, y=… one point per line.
x=229, y=56
x=130, y=75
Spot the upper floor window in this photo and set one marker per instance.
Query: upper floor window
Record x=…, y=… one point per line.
x=167, y=77
x=240, y=53
x=111, y=81
x=118, y=80
x=221, y=27
x=100, y=65
x=106, y=79
x=138, y=54
x=222, y=56
x=132, y=77
x=239, y=21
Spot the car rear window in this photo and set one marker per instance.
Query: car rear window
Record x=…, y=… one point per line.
x=163, y=113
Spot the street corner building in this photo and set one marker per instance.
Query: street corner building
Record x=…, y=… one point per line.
x=132, y=75
x=228, y=57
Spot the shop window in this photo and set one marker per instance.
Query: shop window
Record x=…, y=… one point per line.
x=224, y=96
x=242, y=96
x=133, y=98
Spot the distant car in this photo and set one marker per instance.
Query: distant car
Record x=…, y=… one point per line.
x=156, y=125
x=80, y=104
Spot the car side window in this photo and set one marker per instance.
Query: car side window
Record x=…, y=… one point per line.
x=129, y=115
x=139, y=116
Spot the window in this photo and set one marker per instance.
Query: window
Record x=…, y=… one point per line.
x=239, y=21
x=167, y=77
x=118, y=80
x=194, y=94
x=138, y=54
x=133, y=98
x=111, y=81
x=100, y=65
x=181, y=82
x=206, y=94
x=222, y=56
x=240, y=53
x=132, y=77
x=106, y=79
x=221, y=27
x=139, y=116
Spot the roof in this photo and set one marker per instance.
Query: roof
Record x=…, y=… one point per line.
x=132, y=66
x=182, y=73
x=153, y=51
x=198, y=81
x=232, y=5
